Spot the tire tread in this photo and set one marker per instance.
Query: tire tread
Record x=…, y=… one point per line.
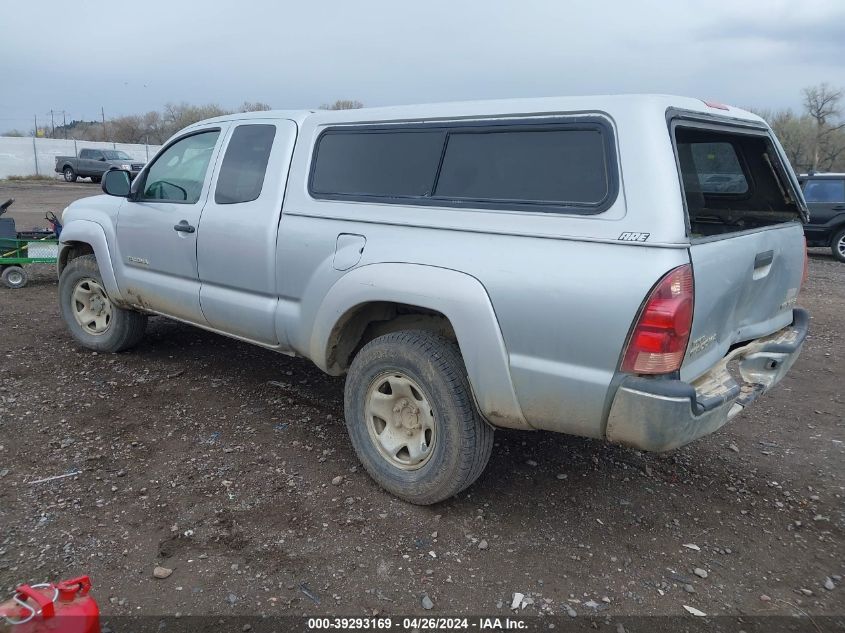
x=129, y=325
x=834, y=242
x=476, y=434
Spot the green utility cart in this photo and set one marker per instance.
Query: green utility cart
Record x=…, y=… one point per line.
x=28, y=247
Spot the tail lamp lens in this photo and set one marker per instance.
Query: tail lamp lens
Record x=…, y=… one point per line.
x=659, y=339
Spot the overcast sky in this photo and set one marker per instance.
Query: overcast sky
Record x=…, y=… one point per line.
x=131, y=57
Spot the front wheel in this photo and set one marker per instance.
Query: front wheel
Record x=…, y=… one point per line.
x=411, y=417
x=837, y=246
x=90, y=315
x=69, y=174
x=96, y=179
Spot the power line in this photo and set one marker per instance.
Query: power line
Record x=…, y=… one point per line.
x=64, y=121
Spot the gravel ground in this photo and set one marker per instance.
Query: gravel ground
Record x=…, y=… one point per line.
x=229, y=466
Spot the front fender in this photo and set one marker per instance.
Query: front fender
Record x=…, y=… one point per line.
x=460, y=297
x=91, y=233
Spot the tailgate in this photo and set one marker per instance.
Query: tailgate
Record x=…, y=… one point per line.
x=745, y=287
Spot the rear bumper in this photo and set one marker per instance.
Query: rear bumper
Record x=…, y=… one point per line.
x=659, y=415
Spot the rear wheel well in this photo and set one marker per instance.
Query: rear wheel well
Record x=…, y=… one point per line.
x=366, y=322
x=72, y=251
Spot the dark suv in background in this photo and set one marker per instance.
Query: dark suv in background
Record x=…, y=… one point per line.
x=825, y=196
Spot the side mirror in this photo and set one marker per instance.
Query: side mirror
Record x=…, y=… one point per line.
x=102, y=158
x=117, y=182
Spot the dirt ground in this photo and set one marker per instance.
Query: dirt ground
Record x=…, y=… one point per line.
x=215, y=459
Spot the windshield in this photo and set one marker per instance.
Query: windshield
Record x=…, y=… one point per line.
x=116, y=155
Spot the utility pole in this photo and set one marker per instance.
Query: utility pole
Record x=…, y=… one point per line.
x=52, y=126
x=34, y=145
x=64, y=122
x=103, y=113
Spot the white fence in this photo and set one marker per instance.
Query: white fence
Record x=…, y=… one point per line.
x=37, y=156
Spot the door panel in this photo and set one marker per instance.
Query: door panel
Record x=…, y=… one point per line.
x=93, y=164
x=157, y=233
x=236, y=243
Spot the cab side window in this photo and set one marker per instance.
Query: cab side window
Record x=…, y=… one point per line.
x=178, y=174
x=244, y=164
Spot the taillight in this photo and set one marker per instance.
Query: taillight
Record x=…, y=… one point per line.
x=659, y=339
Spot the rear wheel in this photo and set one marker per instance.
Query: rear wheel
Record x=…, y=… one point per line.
x=69, y=174
x=837, y=245
x=89, y=313
x=14, y=277
x=411, y=417
x=96, y=179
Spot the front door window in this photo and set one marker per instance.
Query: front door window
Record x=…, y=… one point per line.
x=178, y=174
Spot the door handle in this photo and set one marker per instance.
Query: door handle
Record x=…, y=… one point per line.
x=839, y=207
x=764, y=259
x=184, y=227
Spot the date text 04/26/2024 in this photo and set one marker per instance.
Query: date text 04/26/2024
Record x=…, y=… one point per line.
x=416, y=623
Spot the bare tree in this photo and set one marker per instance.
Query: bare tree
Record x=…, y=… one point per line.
x=154, y=130
x=84, y=130
x=822, y=105
x=15, y=133
x=254, y=106
x=179, y=115
x=342, y=104
x=815, y=138
x=832, y=153
x=128, y=129
x=796, y=134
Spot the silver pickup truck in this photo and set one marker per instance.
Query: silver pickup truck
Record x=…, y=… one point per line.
x=567, y=264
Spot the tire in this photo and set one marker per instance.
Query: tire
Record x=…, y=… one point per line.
x=96, y=179
x=407, y=373
x=837, y=246
x=89, y=314
x=14, y=277
x=69, y=174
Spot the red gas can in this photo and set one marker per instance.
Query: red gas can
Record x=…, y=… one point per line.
x=62, y=608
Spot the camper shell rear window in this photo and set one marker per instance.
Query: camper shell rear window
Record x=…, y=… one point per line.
x=548, y=165
x=732, y=178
